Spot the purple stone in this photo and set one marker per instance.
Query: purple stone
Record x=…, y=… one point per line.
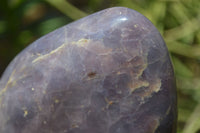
x=109, y=72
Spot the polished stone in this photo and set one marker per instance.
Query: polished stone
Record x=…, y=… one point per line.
x=109, y=72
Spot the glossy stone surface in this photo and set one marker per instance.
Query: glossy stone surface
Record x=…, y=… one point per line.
x=109, y=72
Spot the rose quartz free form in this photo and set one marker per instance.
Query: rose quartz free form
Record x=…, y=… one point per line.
x=109, y=72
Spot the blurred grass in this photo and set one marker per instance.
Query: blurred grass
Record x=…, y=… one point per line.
x=23, y=21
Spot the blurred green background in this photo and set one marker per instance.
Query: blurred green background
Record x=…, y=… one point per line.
x=23, y=21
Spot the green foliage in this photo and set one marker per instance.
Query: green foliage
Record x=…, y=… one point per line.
x=23, y=21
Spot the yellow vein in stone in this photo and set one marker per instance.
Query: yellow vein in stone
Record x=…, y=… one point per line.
x=46, y=55
x=6, y=86
x=168, y=110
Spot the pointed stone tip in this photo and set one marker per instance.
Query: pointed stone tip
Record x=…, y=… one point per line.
x=114, y=18
x=120, y=9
